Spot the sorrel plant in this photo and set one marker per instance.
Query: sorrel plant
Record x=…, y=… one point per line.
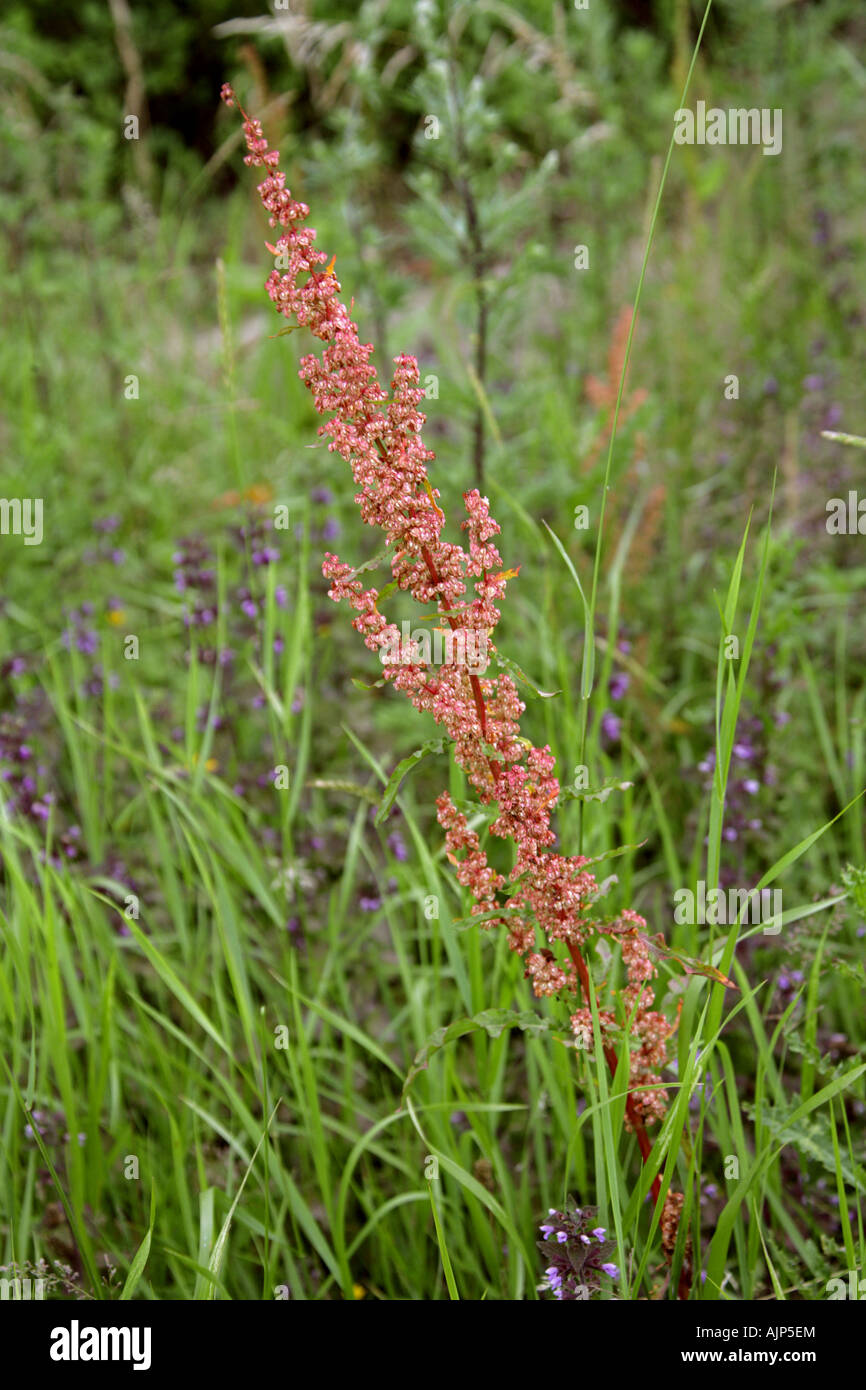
x=546, y=894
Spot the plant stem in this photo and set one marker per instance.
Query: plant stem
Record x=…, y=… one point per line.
x=635, y=1119
x=477, y=261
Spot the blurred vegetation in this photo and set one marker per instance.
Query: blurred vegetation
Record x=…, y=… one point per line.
x=144, y=258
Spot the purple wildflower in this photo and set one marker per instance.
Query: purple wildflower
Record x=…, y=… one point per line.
x=397, y=846
x=611, y=725
x=618, y=685
x=575, y=1264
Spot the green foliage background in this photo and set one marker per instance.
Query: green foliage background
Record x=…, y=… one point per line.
x=146, y=258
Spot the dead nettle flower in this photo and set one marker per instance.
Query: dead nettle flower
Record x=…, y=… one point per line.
x=379, y=435
x=578, y=1253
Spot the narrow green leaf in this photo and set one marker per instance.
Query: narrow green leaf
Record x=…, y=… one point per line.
x=139, y=1260
x=588, y=665
x=218, y=1252
x=433, y=745
x=491, y=1021
x=521, y=677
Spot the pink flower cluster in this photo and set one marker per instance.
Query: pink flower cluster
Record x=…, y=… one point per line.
x=379, y=435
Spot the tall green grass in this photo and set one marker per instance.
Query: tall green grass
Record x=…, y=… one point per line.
x=207, y=1160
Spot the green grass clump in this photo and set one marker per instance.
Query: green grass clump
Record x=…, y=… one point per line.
x=217, y=970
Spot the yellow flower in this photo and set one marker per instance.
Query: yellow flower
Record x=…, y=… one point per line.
x=211, y=764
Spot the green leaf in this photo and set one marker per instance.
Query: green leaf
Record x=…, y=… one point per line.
x=464, y=923
x=813, y=1137
x=136, y=1269
x=614, y=853
x=447, y=1267
x=335, y=784
x=691, y=967
x=857, y=440
x=79, y=1231
x=514, y=670
x=217, y=1254
x=169, y=977
x=433, y=745
x=372, y=564
x=588, y=669
x=610, y=784
x=717, y=1254
x=493, y=1022
x=494, y=754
